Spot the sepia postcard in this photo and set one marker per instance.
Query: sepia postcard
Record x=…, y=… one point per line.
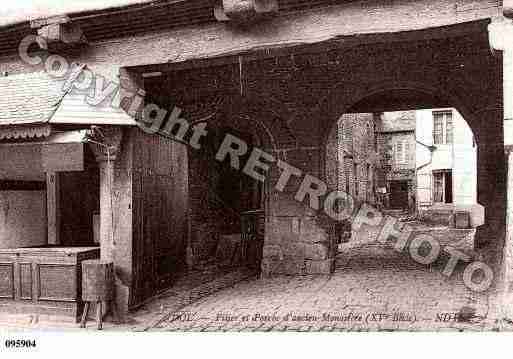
x=256, y=166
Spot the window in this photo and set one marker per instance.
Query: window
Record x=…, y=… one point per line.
x=442, y=186
x=401, y=152
x=370, y=184
x=442, y=127
x=375, y=139
x=348, y=177
x=369, y=137
x=355, y=172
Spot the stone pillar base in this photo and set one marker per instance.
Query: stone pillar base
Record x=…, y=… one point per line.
x=296, y=266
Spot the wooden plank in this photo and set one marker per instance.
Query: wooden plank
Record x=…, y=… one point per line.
x=25, y=281
x=7, y=280
x=42, y=280
x=53, y=207
x=63, y=157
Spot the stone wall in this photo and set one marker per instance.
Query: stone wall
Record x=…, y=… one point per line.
x=351, y=155
x=390, y=170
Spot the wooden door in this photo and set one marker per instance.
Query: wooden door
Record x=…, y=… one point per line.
x=399, y=194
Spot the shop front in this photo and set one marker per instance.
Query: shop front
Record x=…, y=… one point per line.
x=50, y=206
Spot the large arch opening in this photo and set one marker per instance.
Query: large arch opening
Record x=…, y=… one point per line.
x=411, y=153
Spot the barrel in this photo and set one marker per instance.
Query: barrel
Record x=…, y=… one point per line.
x=97, y=280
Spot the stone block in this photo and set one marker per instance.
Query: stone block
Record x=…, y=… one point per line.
x=306, y=159
x=477, y=216
x=272, y=251
x=227, y=246
x=310, y=225
x=291, y=266
x=320, y=237
x=292, y=185
x=285, y=205
x=303, y=250
x=461, y=219
x=276, y=262
x=287, y=266
x=316, y=251
x=366, y=234
x=320, y=266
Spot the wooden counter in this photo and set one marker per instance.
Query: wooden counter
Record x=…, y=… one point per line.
x=43, y=281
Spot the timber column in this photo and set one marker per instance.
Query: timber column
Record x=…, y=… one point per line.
x=106, y=149
x=115, y=207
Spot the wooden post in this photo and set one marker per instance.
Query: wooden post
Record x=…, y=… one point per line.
x=106, y=211
x=106, y=148
x=52, y=207
x=509, y=210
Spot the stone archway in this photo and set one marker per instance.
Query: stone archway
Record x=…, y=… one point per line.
x=486, y=125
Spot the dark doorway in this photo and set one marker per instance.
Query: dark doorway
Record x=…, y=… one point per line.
x=232, y=190
x=398, y=194
x=448, y=187
x=79, y=203
x=442, y=186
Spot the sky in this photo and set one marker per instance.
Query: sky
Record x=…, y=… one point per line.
x=13, y=11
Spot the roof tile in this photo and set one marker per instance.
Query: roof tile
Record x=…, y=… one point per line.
x=29, y=98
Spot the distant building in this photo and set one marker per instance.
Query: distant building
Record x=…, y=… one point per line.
x=353, y=147
x=446, y=161
x=396, y=148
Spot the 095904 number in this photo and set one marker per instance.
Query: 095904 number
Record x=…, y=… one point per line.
x=20, y=343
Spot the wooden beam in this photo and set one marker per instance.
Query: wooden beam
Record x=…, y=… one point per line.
x=58, y=19
x=475, y=29
x=53, y=207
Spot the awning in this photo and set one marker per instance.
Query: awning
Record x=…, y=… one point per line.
x=17, y=132
x=78, y=136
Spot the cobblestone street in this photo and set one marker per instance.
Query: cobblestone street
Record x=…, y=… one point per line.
x=373, y=288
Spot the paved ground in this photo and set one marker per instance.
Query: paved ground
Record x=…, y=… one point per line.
x=373, y=288
x=195, y=285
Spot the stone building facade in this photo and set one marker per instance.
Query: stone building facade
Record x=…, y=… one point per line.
x=396, y=148
x=353, y=156
x=446, y=164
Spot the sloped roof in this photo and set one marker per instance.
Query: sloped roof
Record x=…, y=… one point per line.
x=38, y=98
x=28, y=98
x=74, y=109
x=400, y=121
